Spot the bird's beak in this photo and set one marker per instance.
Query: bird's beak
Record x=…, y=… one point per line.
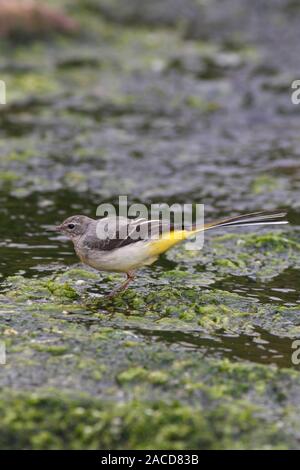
x=58, y=228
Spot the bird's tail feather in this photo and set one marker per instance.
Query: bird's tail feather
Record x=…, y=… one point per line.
x=255, y=218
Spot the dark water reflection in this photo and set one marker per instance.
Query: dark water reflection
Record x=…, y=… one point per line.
x=268, y=349
x=260, y=347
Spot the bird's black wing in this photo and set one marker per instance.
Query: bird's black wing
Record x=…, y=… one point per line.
x=121, y=234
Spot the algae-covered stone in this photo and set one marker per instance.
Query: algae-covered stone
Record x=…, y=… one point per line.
x=88, y=422
x=257, y=256
x=133, y=374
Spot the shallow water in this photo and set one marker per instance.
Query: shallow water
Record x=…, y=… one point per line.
x=31, y=248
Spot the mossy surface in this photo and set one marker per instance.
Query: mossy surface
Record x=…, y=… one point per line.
x=66, y=422
x=148, y=360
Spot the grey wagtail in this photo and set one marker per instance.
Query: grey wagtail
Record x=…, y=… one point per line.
x=126, y=254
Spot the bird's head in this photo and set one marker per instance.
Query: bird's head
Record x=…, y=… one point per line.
x=75, y=226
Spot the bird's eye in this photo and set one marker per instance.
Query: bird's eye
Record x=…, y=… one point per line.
x=71, y=226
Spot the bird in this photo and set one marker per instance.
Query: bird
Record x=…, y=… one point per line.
x=119, y=244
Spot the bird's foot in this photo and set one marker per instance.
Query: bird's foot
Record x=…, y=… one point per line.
x=122, y=287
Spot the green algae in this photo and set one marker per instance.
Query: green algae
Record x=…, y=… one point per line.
x=185, y=308
x=64, y=291
x=7, y=178
x=260, y=257
x=265, y=183
x=68, y=421
x=21, y=289
x=203, y=106
x=81, y=274
x=132, y=374
x=215, y=399
x=56, y=350
x=28, y=84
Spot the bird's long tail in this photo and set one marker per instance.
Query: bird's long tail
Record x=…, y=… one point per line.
x=255, y=218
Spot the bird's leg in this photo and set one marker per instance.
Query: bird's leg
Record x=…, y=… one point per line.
x=124, y=285
x=129, y=278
